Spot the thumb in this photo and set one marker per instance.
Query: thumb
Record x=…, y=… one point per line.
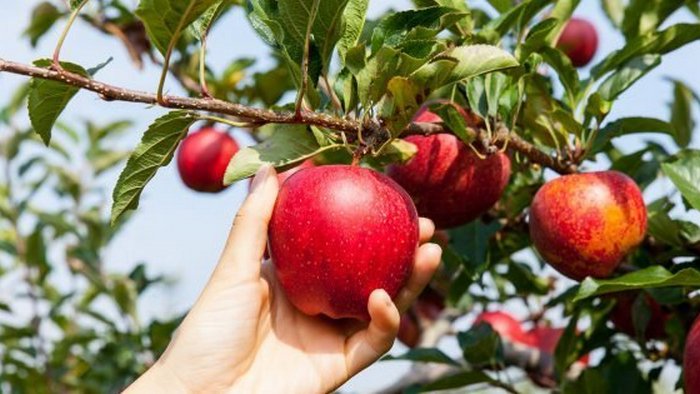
x=246, y=243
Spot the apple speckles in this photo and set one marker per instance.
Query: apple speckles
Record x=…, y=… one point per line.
x=338, y=233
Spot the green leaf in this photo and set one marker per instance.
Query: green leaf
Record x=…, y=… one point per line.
x=647, y=278
x=426, y=355
x=202, y=25
x=74, y=4
x=354, y=21
x=288, y=145
x=519, y=16
x=684, y=171
x=661, y=226
x=615, y=11
x=165, y=20
x=481, y=345
x=472, y=242
x=463, y=62
x=155, y=150
x=626, y=76
x=423, y=23
x=657, y=42
x=453, y=120
x=47, y=99
x=501, y=5
x=682, y=114
x=44, y=16
x=460, y=380
x=568, y=76
x=625, y=126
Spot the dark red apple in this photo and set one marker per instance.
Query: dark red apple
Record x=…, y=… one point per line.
x=203, y=157
x=579, y=41
x=506, y=326
x=425, y=115
x=546, y=339
x=409, y=330
x=339, y=232
x=448, y=182
x=585, y=224
x=691, y=360
x=621, y=316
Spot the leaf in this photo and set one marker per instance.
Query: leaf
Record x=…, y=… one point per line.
x=44, y=16
x=202, y=25
x=481, y=345
x=632, y=125
x=614, y=10
x=423, y=23
x=354, y=21
x=568, y=76
x=682, y=114
x=625, y=77
x=472, y=242
x=155, y=150
x=47, y=99
x=426, y=355
x=461, y=379
x=647, y=278
x=658, y=42
x=461, y=63
x=401, y=102
x=520, y=16
x=684, y=171
x=454, y=121
x=288, y=145
x=165, y=20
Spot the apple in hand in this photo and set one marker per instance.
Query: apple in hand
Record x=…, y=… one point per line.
x=203, y=157
x=505, y=325
x=621, y=316
x=449, y=183
x=585, y=224
x=339, y=232
x=579, y=41
x=691, y=360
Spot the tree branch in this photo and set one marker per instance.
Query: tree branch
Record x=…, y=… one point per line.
x=256, y=116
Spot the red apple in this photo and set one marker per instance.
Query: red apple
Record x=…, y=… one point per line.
x=409, y=330
x=505, y=325
x=203, y=157
x=424, y=115
x=429, y=304
x=579, y=41
x=621, y=316
x=691, y=360
x=339, y=232
x=547, y=338
x=449, y=183
x=585, y=224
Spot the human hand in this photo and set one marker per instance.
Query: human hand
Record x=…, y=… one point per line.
x=243, y=335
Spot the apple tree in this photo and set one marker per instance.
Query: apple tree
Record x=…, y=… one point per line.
x=489, y=114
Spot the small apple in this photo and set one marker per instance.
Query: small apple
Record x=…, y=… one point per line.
x=579, y=41
x=585, y=224
x=449, y=183
x=339, y=232
x=203, y=157
x=425, y=311
x=621, y=316
x=691, y=360
x=506, y=326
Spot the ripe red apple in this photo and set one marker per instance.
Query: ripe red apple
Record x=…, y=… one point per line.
x=579, y=41
x=409, y=330
x=203, y=157
x=506, y=326
x=424, y=115
x=449, y=183
x=621, y=316
x=546, y=339
x=691, y=360
x=585, y=224
x=339, y=232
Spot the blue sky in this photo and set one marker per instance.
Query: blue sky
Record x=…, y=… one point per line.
x=180, y=233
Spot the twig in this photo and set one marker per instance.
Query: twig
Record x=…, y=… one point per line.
x=169, y=53
x=64, y=34
x=305, y=59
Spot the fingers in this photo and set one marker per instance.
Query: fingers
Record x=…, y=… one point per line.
x=427, y=261
x=246, y=243
x=427, y=228
x=366, y=346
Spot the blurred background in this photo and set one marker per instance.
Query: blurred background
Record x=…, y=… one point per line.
x=178, y=233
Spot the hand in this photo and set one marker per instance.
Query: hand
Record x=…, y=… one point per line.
x=243, y=335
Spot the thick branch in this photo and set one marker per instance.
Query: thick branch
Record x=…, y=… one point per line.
x=258, y=116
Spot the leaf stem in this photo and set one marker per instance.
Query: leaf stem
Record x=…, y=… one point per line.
x=169, y=52
x=305, y=60
x=64, y=34
x=203, y=69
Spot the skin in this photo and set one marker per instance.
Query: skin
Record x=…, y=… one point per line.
x=579, y=41
x=244, y=336
x=585, y=224
x=505, y=325
x=691, y=359
x=621, y=316
x=448, y=182
x=203, y=157
x=337, y=233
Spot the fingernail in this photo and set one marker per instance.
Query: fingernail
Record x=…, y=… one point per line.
x=260, y=177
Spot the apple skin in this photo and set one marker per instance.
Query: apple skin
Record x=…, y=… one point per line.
x=448, y=182
x=691, y=360
x=579, y=41
x=621, y=316
x=409, y=330
x=585, y=224
x=425, y=115
x=339, y=232
x=203, y=157
x=506, y=326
